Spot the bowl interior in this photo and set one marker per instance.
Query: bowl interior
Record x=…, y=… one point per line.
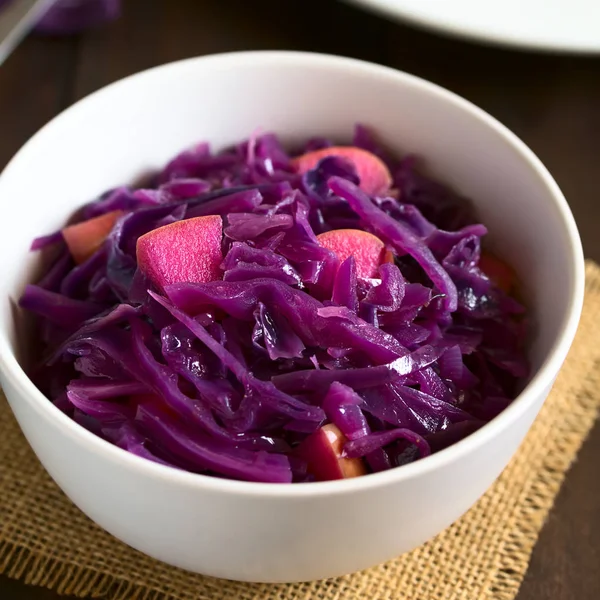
x=121, y=132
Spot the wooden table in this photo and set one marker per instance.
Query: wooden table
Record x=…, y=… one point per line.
x=551, y=102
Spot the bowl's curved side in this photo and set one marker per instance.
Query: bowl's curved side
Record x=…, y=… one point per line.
x=259, y=531
x=265, y=538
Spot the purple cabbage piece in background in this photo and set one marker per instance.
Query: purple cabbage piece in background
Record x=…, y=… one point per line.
x=67, y=17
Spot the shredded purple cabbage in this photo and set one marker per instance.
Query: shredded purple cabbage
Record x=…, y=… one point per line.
x=228, y=377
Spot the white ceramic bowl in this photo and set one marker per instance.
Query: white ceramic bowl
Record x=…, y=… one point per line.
x=268, y=532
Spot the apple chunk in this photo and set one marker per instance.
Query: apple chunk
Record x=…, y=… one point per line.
x=368, y=250
x=83, y=239
x=182, y=252
x=375, y=179
x=322, y=451
x=498, y=271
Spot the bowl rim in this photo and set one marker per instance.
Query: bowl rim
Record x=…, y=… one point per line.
x=20, y=382
x=476, y=33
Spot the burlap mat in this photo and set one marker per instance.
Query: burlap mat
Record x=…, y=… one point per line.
x=45, y=540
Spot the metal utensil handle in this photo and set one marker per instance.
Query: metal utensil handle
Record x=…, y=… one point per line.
x=16, y=19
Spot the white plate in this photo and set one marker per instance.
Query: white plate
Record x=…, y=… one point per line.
x=563, y=25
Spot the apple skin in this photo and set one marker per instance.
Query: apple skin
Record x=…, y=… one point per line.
x=375, y=178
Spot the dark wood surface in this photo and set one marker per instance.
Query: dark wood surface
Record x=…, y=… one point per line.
x=552, y=102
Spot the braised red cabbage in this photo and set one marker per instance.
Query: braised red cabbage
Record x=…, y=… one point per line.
x=229, y=377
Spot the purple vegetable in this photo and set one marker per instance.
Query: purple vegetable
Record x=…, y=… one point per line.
x=342, y=406
x=127, y=437
x=398, y=236
x=229, y=377
x=118, y=199
x=345, y=286
x=389, y=294
x=72, y=16
x=264, y=392
x=47, y=240
x=55, y=275
x=209, y=454
x=243, y=262
x=315, y=324
x=229, y=203
x=56, y=308
x=369, y=443
x=92, y=401
x=403, y=406
x=276, y=335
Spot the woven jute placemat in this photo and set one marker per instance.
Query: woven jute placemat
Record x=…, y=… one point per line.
x=45, y=540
